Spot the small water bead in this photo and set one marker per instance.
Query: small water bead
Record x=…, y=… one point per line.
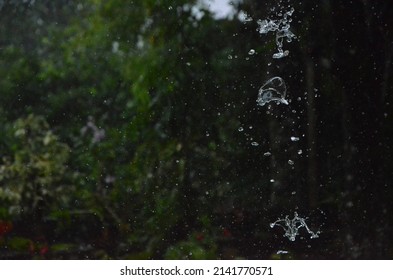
x=281, y=252
x=229, y=56
x=300, y=152
x=280, y=54
x=251, y=52
x=272, y=180
x=273, y=90
x=294, y=139
x=267, y=154
x=291, y=162
x=241, y=129
x=255, y=144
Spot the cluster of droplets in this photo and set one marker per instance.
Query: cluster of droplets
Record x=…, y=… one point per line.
x=281, y=27
x=292, y=226
x=274, y=90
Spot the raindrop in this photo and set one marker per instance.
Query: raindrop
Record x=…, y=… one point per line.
x=255, y=144
x=291, y=162
x=241, y=129
x=300, y=152
x=280, y=54
x=294, y=139
x=267, y=154
x=229, y=56
x=281, y=252
x=251, y=52
x=273, y=90
x=272, y=181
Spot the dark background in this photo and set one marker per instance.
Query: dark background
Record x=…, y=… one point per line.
x=119, y=131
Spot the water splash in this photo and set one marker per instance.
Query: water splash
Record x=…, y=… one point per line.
x=281, y=27
x=291, y=227
x=273, y=90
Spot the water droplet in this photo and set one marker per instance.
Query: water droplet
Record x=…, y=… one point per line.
x=281, y=252
x=188, y=64
x=267, y=154
x=294, y=139
x=272, y=181
x=291, y=162
x=273, y=90
x=255, y=144
x=241, y=129
x=251, y=52
x=280, y=54
x=300, y=152
x=229, y=56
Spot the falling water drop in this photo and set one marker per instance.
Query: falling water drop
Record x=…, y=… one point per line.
x=291, y=162
x=294, y=139
x=251, y=52
x=273, y=90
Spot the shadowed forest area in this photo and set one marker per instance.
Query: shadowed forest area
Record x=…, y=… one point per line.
x=127, y=131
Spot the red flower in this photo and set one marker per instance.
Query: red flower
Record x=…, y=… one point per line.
x=200, y=237
x=44, y=250
x=5, y=227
